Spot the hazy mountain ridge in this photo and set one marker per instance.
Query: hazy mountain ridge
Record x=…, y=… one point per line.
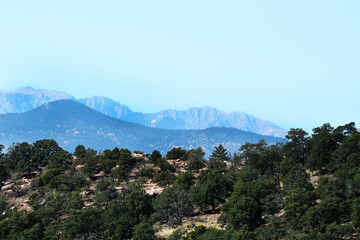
x=106, y=106
x=191, y=119
x=25, y=99
x=205, y=117
x=71, y=123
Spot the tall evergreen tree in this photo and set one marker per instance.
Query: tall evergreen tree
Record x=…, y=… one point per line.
x=196, y=159
x=212, y=188
x=296, y=148
x=217, y=158
x=322, y=144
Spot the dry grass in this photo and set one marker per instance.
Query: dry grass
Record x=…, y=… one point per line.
x=208, y=220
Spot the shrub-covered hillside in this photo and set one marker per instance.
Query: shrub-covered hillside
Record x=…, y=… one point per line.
x=307, y=188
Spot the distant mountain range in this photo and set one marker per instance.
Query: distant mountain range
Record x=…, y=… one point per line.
x=27, y=98
x=71, y=123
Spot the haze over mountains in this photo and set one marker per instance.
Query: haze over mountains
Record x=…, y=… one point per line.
x=27, y=98
x=193, y=118
x=71, y=123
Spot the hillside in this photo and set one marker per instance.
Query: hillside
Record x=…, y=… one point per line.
x=307, y=188
x=71, y=123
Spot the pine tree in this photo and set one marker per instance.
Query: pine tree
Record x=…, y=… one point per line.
x=217, y=158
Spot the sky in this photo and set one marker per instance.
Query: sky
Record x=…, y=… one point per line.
x=295, y=63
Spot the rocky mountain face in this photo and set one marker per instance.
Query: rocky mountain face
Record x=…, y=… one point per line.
x=71, y=123
x=27, y=98
x=191, y=119
x=106, y=106
x=205, y=117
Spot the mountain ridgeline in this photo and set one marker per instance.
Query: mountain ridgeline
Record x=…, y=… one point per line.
x=25, y=99
x=193, y=118
x=71, y=123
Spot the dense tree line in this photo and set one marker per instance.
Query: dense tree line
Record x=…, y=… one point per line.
x=306, y=188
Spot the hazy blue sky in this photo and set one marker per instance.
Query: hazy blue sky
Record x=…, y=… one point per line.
x=296, y=63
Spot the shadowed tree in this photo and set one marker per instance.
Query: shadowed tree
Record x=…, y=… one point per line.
x=61, y=160
x=322, y=145
x=154, y=156
x=106, y=192
x=217, y=158
x=44, y=149
x=248, y=149
x=20, y=157
x=242, y=211
x=296, y=150
x=176, y=153
x=297, y=178
x=80, y=152
x=172, y=205
x=212, y=188
x=296, y=147
x=4, y=171
x=297, y=202
x=144, y=231
x=196, y=159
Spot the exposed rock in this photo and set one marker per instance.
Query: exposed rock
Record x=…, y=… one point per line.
x=79, y=167
x=100, y=174
x=152, y=188
x=88, y=204
x=7, y=186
